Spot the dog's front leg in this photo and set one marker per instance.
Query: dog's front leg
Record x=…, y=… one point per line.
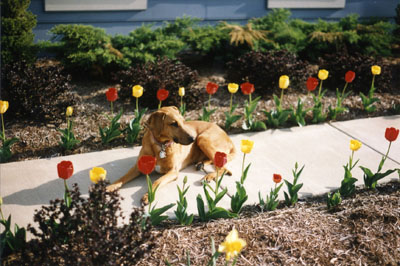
x=131, y=174
x=170, y=176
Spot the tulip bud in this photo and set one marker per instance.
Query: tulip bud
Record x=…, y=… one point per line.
x=137, y=91
x=97, y=174
x=376, y=70
x=284, y=82
x=3, y=106
x=233, y=87
x=323, y=74
x=182, y=91
x=69, y=111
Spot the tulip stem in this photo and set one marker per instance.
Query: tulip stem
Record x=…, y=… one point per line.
x=280, y=101
x=159, y=105
x=320, y=88
x=209, y=101
x=112, y=113
x=250, y=98
x=181, y=101
x=137, y=105
x=68, y=129
x=244, y=157
x=373, y=81
x=344, y=89
x=230, y=105
x=2, y=124
x=216, y=183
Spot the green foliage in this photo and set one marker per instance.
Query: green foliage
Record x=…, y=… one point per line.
x=277, y=117
x=338, y=109
x=293, y=189
x=250, y=123
x=134, y=127
x=154, y=214
x=230, y=118
x=368, y=101
x=271, y=201
x=84, y=47
x=333, y=200
x=107, y=134
x=145, y=45
x=298, y=115
x=5, y=150
x=347, y=187
x=68, y=140
x=11, y=241
x=371, y=179
x=206, y=114
x=213, y=212
x=181, y=209
x=240, y=196
x=16, y=31
x=319, y=115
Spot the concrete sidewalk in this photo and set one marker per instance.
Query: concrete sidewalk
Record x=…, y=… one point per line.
x=323, y=149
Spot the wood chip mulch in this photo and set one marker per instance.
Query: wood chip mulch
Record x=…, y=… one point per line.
x=364, y=231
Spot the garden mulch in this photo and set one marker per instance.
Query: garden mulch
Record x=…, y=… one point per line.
x=365, y=230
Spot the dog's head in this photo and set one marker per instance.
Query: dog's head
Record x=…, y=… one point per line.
x=168, y=124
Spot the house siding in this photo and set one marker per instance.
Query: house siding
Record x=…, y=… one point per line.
x=209, y=11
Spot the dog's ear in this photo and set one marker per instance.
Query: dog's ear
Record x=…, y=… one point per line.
x=155, y=123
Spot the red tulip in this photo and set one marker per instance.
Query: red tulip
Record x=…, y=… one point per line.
x=391, y=134
x=247, y=88
x=146, y=164
x=211, y=88
x=220, y=159
x=65, y=169
x=312, y=83
x=112, y=94
x=349, y=77
x=162, y=94
x=277, y=178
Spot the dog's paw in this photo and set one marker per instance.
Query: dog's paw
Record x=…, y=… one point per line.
x=113, y=187
x=199, y=166
x=145, y=199
x=209, y=177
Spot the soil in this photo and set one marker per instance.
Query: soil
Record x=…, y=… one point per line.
x=40, y=139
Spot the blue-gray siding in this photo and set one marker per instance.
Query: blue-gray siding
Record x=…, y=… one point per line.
x=122, y=22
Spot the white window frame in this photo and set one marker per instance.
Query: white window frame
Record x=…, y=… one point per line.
x=306, y=3
x=94, y=5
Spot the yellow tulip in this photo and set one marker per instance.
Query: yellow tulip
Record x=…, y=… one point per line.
x=97, y=174
x=233, y=87
x=284, y=82
x=232, y=245
x=182, y=91
x=69, y=111
x=355, y=145
x=3, y=106
x=246, y=145
x=137, y=91
x=323, y=74
x=376, y=70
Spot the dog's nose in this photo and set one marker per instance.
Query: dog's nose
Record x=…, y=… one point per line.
x=190, y=139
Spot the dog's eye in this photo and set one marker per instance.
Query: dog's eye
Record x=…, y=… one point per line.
x=174, y=124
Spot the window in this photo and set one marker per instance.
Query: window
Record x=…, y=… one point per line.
x=306, y=3
x=94, y=5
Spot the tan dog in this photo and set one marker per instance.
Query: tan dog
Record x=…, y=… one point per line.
x=177, y=143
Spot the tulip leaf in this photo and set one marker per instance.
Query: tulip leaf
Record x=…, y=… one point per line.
x=200, y=208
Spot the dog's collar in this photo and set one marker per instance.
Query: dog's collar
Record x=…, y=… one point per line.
x=163, y=146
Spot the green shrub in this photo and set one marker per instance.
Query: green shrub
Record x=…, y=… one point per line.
x=164, y=73
x=145, y=45
x=85, y=48
x=16, y=31
x=36, y=91
x=263, y=69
